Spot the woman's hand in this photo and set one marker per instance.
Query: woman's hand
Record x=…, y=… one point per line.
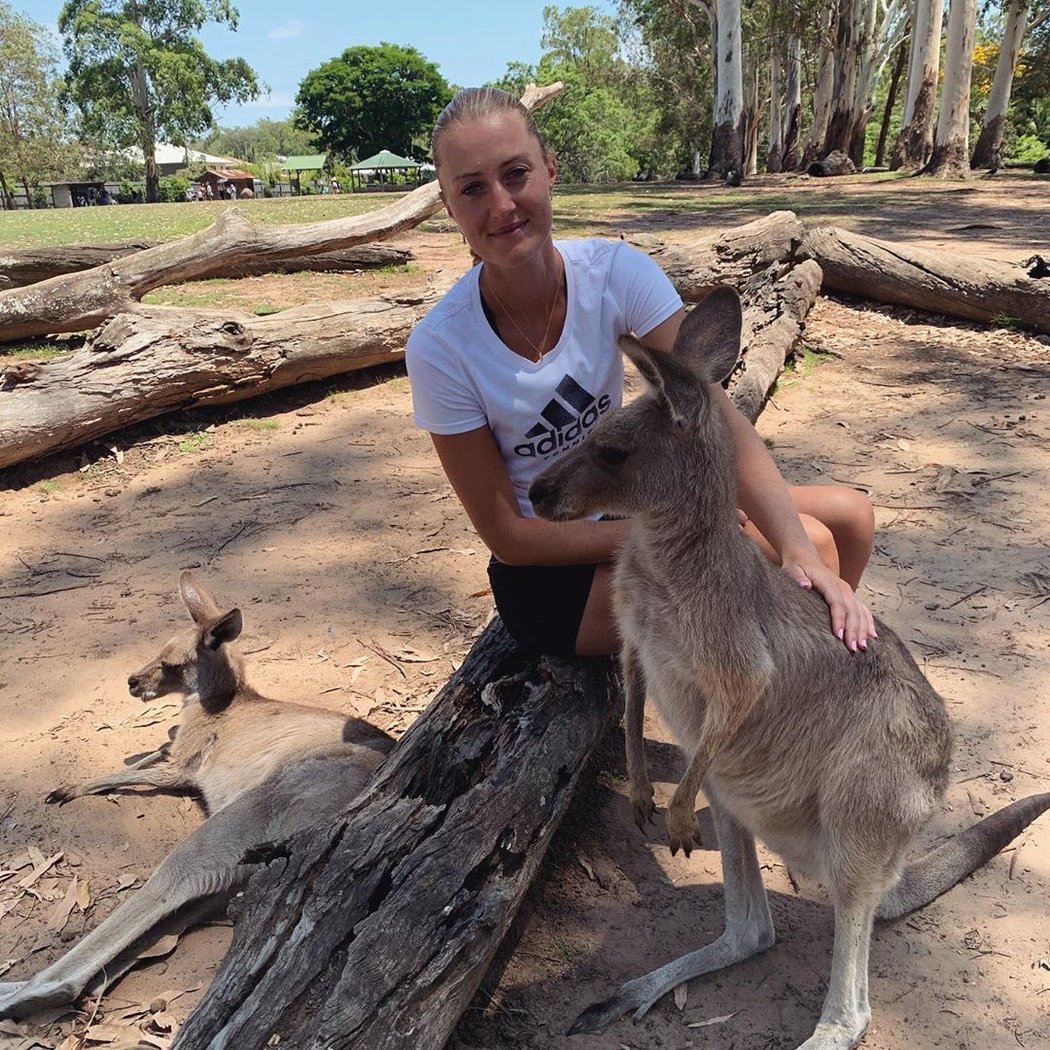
x=851, y=620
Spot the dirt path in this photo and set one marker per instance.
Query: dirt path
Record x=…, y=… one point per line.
x=324, y=516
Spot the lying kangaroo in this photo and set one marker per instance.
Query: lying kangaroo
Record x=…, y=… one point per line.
x=265, y=769
x=230, y=737
x=835, y=759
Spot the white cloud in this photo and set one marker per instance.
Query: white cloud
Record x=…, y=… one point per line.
x=291, y=28
x=271, y=100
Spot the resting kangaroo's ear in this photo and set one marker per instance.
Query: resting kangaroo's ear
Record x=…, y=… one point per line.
x=652, y=371
x=199, y=603
x=709, y=338
x=225, y=629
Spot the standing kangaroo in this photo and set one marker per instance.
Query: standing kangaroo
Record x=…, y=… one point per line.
x=264, y=768
x=835, y=759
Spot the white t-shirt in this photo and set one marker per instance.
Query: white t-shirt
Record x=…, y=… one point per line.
x=463, y=376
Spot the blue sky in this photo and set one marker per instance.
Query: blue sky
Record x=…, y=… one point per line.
x=471, y=42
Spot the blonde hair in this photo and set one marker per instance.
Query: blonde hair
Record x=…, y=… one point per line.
x=474, y=103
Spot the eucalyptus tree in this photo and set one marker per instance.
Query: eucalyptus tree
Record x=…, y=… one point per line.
x=915, y=141
x=1020, y=18
x=138, y=70
x=34, y=140
x=950, y=157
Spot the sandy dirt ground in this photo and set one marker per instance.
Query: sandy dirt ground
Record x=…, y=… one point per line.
x=322, y=513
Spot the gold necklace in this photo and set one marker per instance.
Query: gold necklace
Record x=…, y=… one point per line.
x=539, y=351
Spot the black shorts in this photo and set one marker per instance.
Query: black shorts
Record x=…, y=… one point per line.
x=542, y=606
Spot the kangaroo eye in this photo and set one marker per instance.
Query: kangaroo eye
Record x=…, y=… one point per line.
x=612, y=456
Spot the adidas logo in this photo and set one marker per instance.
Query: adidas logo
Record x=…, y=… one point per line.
x=564, y=420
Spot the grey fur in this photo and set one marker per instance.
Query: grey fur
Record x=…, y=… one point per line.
x=835, y=759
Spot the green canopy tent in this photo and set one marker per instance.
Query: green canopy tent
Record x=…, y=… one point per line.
x=307, y=162
x=379, y=166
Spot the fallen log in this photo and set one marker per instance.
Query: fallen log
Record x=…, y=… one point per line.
x=156, y=359
x=32, y=265
x=75, y=302
x=954, y=284
x=151, y=359
x=373, y=929
x=731, y=256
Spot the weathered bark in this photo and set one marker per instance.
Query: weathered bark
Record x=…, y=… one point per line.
x=776, y=303
x=954, y=284
x=792, y=103
x=75, y=302
x=152, y=359
x=373, y=929
x=950, y=157
x=727, y=136
x=731, y=257
x=31, y=265
x=986, y=154
x=835, y=163
x=155, y=359
x=848, y=44
x=825, y=88
x=915, y=141
x=1042, y=166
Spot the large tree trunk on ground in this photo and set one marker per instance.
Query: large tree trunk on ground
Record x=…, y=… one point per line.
x=30, y=265
x=374, y=929
x=156, y=359
x=76, y=302
x=153, y=359
x=835, y=163
x=954, y=284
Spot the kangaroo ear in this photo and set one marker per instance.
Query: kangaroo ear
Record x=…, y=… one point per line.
x=659, y=373
x=199, y=603
x=225, y=629
x=709, y=338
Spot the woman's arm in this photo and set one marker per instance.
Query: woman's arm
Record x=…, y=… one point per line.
x=475, y=469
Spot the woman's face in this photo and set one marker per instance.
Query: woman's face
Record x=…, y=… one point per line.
x=496, y=184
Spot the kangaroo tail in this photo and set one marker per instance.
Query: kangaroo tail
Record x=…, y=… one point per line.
x=940, y=869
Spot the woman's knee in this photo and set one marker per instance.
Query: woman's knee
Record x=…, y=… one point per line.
x=821, y=536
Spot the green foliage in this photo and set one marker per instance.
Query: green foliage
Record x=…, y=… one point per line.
x=369, y=99
x=172, y=188
x=137, y=70
x=265, y=140
x=605, y=125
x=34, y=137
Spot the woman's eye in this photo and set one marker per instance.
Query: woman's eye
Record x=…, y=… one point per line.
x=611, y=455
x=517, y=174
x=472, y=189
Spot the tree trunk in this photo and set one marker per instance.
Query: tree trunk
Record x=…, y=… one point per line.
x=825, y=89
x=775, y=161
x=75, y=302
x=950, y=283
x=6, y=199
x=951, y=141
x=986, y=153
x=374, y=929
x=891, y=100
x=727, y=138
x=24, y=267
x=915, y=141
x=847, y=52
x=159, y=359
x=792, y=103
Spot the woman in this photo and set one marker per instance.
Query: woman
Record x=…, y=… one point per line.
x=519, y=360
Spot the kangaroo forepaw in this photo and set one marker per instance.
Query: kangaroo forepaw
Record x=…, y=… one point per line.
x=62, y=795
x=642, y=806
x=683, y=831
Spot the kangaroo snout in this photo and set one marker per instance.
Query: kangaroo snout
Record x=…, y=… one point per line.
x=139, y=684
